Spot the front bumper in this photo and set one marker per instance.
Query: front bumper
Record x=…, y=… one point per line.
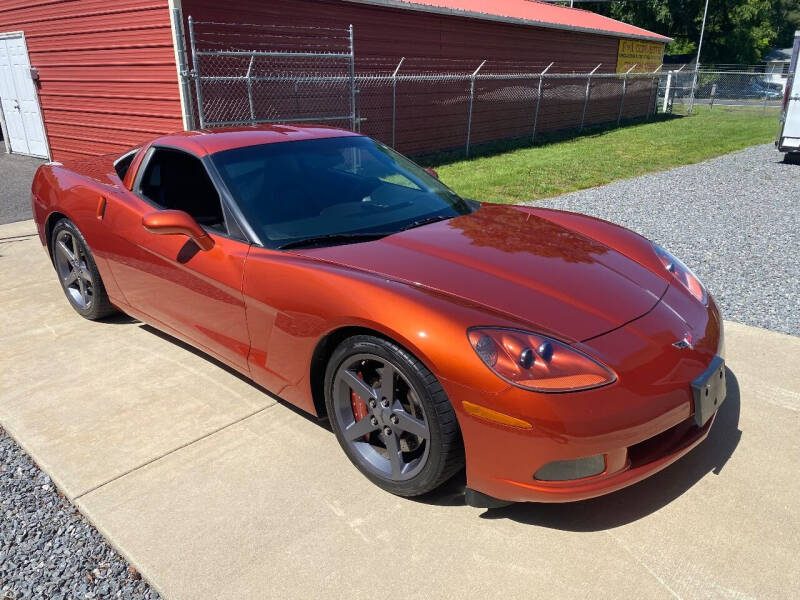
x=640, y=424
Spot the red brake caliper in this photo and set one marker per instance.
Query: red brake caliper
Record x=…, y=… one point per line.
x=360, y=409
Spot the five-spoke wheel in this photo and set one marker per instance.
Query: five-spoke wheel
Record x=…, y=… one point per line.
x=78, y=272
x=71, y=266
x=391, y=416
x=381, y=416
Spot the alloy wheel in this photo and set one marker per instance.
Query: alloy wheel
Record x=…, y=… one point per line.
x=381, y=417
x=73, y=270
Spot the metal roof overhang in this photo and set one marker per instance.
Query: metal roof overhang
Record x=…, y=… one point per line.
x=441, y=10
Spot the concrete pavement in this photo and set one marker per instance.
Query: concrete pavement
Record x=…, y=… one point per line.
x=212, y=488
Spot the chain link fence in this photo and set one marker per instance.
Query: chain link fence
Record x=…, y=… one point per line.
x=247, y=73
x=717, y=87
x=253, y=73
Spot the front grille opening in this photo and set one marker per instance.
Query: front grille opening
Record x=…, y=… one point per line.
x=659, y=445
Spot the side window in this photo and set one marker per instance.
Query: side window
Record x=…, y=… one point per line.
x=123, y=163
x=176, y=180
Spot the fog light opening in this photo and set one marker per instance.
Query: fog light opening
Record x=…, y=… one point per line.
x=567, y=470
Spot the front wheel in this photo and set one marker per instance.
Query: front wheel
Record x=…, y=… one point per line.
x=391, y=416
x=78, y=272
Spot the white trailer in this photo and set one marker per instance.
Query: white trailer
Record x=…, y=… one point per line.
x=789, y=133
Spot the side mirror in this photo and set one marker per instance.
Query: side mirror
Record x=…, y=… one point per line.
x=177, y=222
x=432, y=173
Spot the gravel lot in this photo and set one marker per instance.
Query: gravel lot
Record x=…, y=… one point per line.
x=16, y=174
x=734, y=220
x=47, y=549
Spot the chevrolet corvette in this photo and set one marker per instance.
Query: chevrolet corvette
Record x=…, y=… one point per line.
x=555, y=356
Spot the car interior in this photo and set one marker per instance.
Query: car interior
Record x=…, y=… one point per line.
x=176, y=180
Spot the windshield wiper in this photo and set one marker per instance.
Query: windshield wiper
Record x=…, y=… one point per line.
x=426, y=221
x=358, y=236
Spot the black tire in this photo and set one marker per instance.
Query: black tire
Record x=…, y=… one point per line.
x=94, y=303
x=792, y=158
x=443, y=448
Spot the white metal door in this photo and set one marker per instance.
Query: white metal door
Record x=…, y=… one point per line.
x=19, y=99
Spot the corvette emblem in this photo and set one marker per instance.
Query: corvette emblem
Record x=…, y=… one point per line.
x=686, y=342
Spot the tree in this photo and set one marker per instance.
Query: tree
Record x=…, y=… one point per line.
x=737, y=31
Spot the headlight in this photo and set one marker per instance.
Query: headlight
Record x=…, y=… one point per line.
x=535, y=362
x=682, y=273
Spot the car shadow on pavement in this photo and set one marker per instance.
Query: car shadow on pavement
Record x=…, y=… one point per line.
x=639, y=500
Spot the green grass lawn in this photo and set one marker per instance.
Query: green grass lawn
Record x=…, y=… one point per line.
x=520, y=174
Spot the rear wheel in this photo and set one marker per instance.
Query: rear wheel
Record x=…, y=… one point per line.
x=78, y=273
x=391, y=416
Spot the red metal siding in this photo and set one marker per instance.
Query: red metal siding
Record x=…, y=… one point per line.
x=107, y=71
x=386, y=32
x=433, y=115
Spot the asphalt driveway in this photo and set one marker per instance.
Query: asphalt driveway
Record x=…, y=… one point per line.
x=16, y=174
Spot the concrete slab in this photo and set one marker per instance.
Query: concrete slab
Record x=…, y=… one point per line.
x=270, y=508
x=154, y=443
x=91, y=401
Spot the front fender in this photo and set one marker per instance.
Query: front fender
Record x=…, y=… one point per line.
x=293, y=302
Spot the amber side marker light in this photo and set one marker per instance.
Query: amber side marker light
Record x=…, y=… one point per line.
x=492, y=415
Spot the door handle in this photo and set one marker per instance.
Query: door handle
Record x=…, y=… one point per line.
x=16, y=104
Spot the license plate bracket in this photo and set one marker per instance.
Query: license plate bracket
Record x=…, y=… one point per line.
x=709, y=390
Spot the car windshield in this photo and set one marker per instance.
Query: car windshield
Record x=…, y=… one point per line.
x=332, y=191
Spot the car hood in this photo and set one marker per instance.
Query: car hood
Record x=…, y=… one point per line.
x=511, y=260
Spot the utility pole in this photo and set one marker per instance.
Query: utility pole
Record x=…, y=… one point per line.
x=697, y=62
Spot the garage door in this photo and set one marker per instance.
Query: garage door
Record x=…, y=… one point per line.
x=19, y=99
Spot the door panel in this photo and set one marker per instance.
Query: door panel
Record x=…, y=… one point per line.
x=167, y=278
x=8, y=97
x=22, y=103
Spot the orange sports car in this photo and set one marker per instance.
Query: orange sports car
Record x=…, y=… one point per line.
x=557, y=356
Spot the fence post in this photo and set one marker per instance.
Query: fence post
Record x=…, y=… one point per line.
x=183, y=70
x=539, y=101
x=713, y=93
x=471, y=102
x=586, y=96
x=667, y=91
x=651, y=104
x=394, y=102
x=352, y=74
x=198, y=88
x=250, y=88
x=764, y=109
x=690, y=108
x=624, y=91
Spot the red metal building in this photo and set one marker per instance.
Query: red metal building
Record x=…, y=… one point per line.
x=103, y=76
